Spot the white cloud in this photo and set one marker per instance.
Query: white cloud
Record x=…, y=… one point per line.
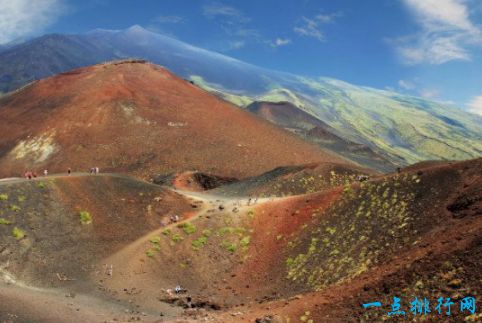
x=220, y=10
x=406, y=85
x=475, y=105
x=280, y=42
x=237, y=44
x=22, y=18
x=235, y=24
x=446, y=34
x=169, y=19
x=429, y=93
x=311, y=27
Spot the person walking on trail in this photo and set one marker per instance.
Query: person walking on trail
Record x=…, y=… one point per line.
x=92, y=170
x=69, y=171
x=46, y=172
x=97, y=170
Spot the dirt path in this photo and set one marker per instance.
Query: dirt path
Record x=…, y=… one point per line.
x=25, y=304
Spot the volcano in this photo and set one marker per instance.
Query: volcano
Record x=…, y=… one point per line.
x=137, y=118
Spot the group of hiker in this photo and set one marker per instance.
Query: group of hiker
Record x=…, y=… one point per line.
x=30, y=174
x=174, y=218
x=33, y=174
x=94, y=170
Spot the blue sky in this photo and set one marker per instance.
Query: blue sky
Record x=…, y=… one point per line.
x=429, y=48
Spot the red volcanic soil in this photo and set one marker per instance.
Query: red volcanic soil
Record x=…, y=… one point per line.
x=436, y=251
x=193, y=181
x=137, y=118
x=316, y=256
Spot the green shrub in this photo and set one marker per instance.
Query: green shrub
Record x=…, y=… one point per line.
x=4, y=221
x=166, y=232
x=3, y=197
x=245, y=241
x=177, y=237
x=85, y=217
x=231, y=247
x=41, y=185
x=199, y=242
x=289, y=262
x=207, y=233
x=222, y=231
x=18, y=233
x=188, y=228
x=14, y=208
x=155, y=240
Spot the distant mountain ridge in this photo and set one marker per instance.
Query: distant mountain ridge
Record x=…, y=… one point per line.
x=403, y=129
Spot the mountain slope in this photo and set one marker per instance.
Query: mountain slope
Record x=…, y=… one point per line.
x=135, y=117
x=410, y=234
x=403, y=128
x=288, y=116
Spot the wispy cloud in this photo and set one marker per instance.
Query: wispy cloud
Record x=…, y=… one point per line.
x=169, y=19
x=22, y=18
x=406, y=85
x=429, y=93
x=234, y=23
x=237, y=44
x=415, y=87
x=475, y=105
x=220, y=10
x=446, y=32
x=278, y=42
x=311, y=27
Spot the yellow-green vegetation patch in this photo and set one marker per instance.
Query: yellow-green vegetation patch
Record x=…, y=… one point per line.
x=15, y=208
x=18, y=233
x=176, y=237
x=367, y=225
x=306, y=317
x=207, y=233
x=21, y=198
x=3, y=197
x=85, y=217
x=154, y=246
x=245, y=241
x=229, y=246
x=225, y=230
x=187, y=227
x=41, y=185
x=199, y=242
x=5, y=221
x=166, y=232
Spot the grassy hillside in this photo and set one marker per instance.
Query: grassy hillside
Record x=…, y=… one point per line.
x=404, y=129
